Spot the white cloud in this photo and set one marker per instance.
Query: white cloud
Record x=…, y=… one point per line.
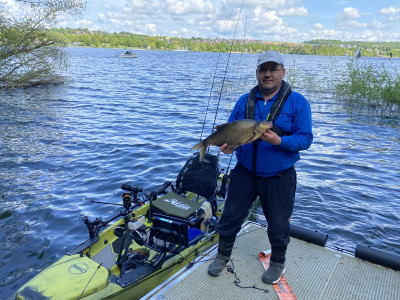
x=252, y=4
x=151, y=29
x=377, y=25
x=10, y=8
x=318, y=32
x=138, y=7
x=224, y=25
x=185, y=7
x=390, y=10
x=10, y=5
x=347, y=19
x=266, y=20
x=372, y=35
x=266, y=25
x=349, y=13
x=134, y=9
x=394, y=18
x=293, y=12
x=318, y=26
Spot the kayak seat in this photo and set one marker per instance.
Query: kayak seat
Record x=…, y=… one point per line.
x=172, y=204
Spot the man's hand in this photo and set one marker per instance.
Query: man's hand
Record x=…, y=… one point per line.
x=271, y=137
x=226, y=150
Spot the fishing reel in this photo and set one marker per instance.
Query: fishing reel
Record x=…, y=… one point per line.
x=130, y=196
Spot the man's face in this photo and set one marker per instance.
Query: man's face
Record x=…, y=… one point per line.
x=269, y=77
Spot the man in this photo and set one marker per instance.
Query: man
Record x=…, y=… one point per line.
x=265, y=167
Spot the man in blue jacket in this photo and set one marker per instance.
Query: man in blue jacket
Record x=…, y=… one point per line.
x=265, y=168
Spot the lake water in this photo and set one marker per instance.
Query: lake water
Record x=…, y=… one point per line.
x=134, y=121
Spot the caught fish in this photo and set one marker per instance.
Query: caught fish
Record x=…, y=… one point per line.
x=234, y=134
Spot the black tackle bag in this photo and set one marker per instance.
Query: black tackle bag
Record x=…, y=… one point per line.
x=199, y=177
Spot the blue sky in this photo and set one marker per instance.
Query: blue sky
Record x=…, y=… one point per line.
x=273, y=20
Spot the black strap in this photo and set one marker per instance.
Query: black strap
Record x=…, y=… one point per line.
x=277, y=106
x=251, y=103
x=255, y=150
x=274, y=112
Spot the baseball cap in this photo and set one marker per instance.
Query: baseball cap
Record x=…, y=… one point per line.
x=270, y=56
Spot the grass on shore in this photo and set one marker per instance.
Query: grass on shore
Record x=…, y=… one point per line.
x=370, y=88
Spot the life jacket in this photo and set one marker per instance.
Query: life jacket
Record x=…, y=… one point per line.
x=276, y=109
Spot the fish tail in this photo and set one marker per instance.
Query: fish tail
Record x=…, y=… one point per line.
x=202, y=153
x=199, y=145
x=202, y=149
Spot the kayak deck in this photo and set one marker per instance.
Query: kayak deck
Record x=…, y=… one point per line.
x=313, y=272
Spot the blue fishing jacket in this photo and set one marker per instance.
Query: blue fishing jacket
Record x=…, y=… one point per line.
x=295, y=118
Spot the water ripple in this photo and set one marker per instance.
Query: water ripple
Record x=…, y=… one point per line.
x=134, y=121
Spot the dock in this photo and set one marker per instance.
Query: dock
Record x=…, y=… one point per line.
x=312, y=272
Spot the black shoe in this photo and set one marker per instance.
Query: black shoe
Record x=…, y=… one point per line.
x=273, y=273
x=218, y=264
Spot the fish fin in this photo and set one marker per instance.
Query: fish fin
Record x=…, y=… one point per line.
x=253, y=138
x=195, y=147
x=219, y=127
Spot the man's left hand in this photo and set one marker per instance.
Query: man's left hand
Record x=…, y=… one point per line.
x=271, y=137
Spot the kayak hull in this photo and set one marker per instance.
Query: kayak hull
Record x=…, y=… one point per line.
x=89, y=271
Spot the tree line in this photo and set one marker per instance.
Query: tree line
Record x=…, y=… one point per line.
x=101, y=39
x=32, y=53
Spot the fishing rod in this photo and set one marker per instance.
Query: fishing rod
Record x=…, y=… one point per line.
x=230, y=100
x=227, y=64
x=238, y=67
x=215, y=75
x=213, y=82
x=225, y=178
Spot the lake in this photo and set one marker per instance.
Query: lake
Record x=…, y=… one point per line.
x=121, y=120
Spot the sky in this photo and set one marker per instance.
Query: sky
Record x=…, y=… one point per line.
x=268, y=20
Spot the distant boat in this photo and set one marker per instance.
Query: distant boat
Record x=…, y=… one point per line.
x=358, y=53
x=182, y=50
x=127, y=54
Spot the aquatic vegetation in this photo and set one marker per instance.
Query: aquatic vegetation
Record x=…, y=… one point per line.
x=368, y=87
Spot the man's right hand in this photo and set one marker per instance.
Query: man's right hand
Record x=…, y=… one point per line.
x=227, y=150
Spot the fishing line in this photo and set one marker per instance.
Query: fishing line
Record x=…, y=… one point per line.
x=227, y=64
x=213, y=82
x=231, y=98
x=237, y=69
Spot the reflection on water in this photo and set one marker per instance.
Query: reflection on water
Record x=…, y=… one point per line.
x=134, y=121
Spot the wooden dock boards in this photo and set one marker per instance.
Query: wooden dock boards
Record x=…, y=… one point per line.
x=313, y=272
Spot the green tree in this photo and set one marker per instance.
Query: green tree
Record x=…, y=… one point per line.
x=28, y=51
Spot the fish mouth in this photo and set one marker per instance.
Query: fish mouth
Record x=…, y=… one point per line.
x=266, y=126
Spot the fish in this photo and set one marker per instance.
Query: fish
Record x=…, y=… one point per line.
x=234, y=134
